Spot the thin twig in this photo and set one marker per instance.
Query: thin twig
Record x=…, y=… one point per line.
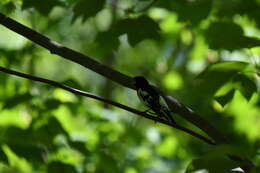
x=87, y=94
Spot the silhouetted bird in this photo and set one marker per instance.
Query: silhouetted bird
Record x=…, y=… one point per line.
x=151, y=98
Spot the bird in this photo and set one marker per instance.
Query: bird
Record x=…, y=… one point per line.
x=150, y=97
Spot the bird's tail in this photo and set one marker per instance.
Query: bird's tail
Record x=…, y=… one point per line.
x=165, y=113
x=169, y=115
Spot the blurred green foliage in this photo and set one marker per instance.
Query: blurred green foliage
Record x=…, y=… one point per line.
x=203, y=52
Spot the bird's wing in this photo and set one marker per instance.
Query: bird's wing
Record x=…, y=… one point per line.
x=163, y=102
x=159, y=97
x=144, y=96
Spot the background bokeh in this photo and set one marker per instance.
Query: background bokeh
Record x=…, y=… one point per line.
x=203, y=52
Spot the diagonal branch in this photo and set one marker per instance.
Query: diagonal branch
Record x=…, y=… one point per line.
x=67, y=53
x=87, y=94
x=195, y=119
x=106, y=71
x=113, y=75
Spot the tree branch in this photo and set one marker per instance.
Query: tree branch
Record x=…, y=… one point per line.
x=195, y=119
x=95, y=66
x=87, y=94
x=58, y=49
x=113, y=75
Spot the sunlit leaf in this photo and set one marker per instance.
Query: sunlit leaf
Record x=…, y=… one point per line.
x=245, y=85
x=223, y=100
x=216, y=75
x=173, y=81
x=168, y=147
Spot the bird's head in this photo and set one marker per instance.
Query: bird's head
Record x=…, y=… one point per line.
x=140, y=82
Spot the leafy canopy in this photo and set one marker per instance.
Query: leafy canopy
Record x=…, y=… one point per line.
x=203, y=52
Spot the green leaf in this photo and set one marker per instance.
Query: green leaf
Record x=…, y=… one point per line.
x=3, y=157
x=216, y=75
x=7, y=7
x=43, y=135
x=229, y=8
x=16, y=100
x=55, y=167
x=107, y=42
x=107, y=163
x=51, y=104
x=188, y=11
x=230, y=36
x=24, y=143
x=87, y=8
x=212, y=165
x=193, y=11
x=216, y=161
x=225, y=149
x=138, y=29
x=47, y=132
x=223, y=100
x=21, y=136
x=258, y=102
x=80, y=146
x=246, y=85
x=30, y=152
x=43, y=7
x=55, y=127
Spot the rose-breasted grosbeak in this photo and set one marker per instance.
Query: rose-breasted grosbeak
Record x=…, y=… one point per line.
x=151, y=98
